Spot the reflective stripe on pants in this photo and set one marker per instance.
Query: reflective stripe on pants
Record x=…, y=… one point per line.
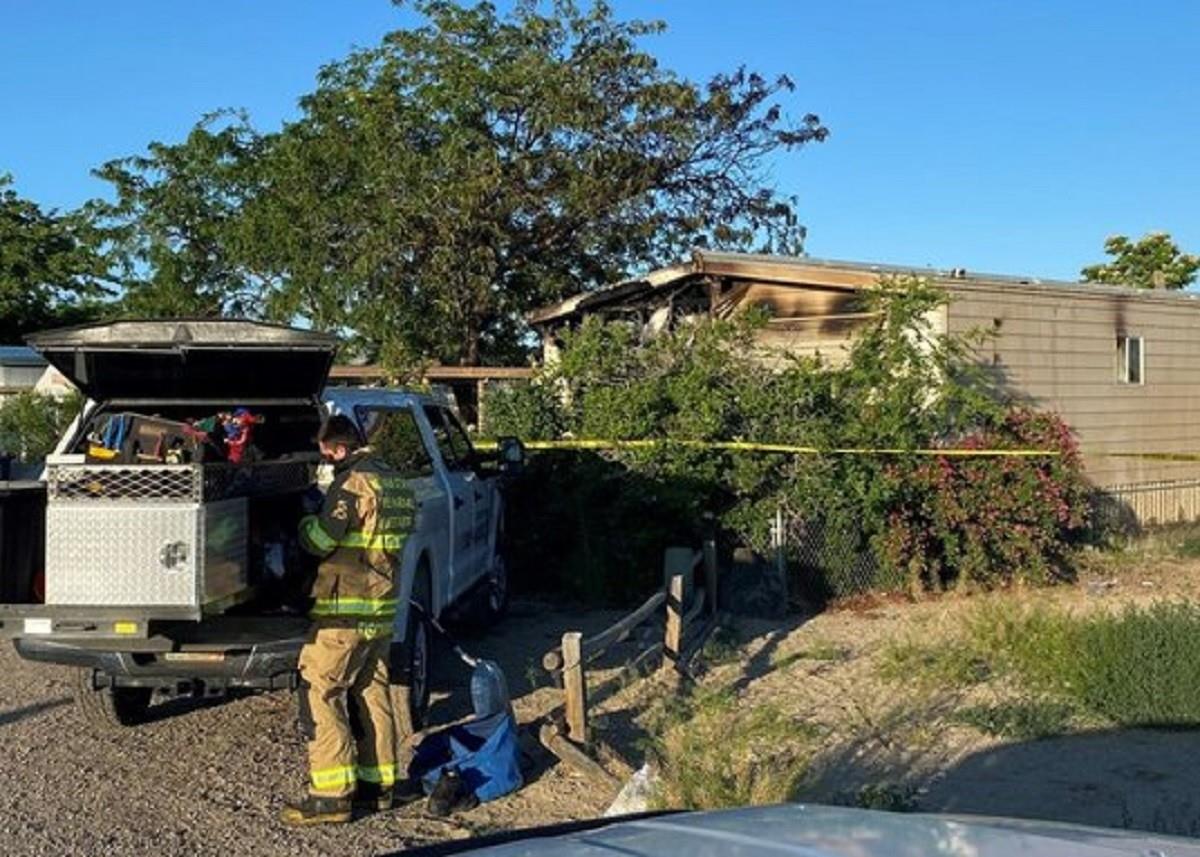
x=341, y=662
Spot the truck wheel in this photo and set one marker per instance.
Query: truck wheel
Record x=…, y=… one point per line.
x=495, y=592
x=110, y=707
x=412, y=659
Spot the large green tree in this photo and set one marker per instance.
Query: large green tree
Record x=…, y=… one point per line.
x=170, y=222
x=51, y=269
x=439, y=185
x=1155, y=261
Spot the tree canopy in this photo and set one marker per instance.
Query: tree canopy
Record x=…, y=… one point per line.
x=440, y=184
x=168, y=229
x=1140, y=263
x=51, y=271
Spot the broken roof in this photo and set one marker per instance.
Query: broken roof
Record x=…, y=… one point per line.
x=828, y=273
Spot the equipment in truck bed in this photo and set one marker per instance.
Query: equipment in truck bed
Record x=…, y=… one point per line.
x=154, y=503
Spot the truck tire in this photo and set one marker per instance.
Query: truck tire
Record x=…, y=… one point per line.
x=110, y=708
x=495, y=592
x=412, y=658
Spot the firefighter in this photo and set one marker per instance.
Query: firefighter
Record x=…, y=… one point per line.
x=358, y=535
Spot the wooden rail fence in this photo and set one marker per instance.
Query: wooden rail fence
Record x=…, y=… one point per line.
x=683, y=635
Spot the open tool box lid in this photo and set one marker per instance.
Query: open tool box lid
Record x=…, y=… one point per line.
x=225, y=359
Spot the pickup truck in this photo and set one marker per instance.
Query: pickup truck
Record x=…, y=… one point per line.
x=162, y=573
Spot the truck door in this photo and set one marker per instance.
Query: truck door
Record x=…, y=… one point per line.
x=465, y=497
x=396, y=437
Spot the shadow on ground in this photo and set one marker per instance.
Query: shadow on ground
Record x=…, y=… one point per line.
x=1139, y=779
x=517, y=644
x=15, y=715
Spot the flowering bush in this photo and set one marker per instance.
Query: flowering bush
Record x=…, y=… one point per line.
x=987, y=520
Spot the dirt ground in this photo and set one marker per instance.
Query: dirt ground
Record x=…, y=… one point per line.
x=879, y=733
x=211, y=779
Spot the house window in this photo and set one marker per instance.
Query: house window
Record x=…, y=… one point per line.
x=1131, y=360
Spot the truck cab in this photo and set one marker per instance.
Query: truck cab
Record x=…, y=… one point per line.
x=158, y=562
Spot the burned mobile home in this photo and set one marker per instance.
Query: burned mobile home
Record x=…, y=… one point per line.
x=1121, y=365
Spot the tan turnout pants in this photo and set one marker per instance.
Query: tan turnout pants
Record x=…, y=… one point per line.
x=339, y=662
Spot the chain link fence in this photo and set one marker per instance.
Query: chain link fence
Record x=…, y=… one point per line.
x=828, y=559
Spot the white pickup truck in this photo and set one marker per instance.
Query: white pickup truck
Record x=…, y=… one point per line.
x=168, y=568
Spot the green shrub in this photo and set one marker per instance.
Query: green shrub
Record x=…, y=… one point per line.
x=1134, y=668
x=1024, y=720
x=31, y=424
x=854, y=521
x=713, y=753
x=947, y=664
x=883, y=797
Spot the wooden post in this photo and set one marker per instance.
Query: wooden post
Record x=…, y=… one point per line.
x=574, y=687
x=709, y=546
x=674, y=637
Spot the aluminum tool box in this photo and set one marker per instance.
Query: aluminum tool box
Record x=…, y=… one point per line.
x=170, y=535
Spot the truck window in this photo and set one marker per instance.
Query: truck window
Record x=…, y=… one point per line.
x=451, y=439
x=396, y=439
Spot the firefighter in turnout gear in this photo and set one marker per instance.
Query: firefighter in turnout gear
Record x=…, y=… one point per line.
x=365, y=517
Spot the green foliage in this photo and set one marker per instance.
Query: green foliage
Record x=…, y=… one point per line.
x=1026, y=720
x=440, y=184
x=172, y=225
x=51, y=271
x=951, y=665
x=1139, y=263
x=714, y=753
x=884, y=797
x=31, y=424
x=582, y=525
x=1136, y=667
x=898, y=520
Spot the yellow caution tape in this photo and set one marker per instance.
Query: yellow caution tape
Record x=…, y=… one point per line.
x=790, y=449
x=782, y=448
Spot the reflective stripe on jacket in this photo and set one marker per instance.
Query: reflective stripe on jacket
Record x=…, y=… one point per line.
x=360, y=532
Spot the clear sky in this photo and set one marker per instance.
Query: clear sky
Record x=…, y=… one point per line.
x=997, y=136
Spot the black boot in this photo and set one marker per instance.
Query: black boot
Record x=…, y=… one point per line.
x=317, y=810
x=373, y=797
x=451, y=795
x=406, y=791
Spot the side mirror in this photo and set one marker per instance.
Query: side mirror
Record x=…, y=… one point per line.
x=511, y=453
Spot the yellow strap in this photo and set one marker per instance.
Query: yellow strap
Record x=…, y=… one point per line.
x=381, y=541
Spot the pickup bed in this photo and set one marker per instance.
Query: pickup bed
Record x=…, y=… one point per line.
x=100, y=604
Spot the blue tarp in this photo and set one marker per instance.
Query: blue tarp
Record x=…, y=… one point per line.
x=484, y=750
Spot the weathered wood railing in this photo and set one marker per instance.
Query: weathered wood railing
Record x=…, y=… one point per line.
x=568, y=662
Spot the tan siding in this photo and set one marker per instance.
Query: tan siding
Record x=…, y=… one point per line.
x=1060, y=350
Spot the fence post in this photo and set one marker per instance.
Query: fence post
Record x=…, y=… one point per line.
x=778, y=540
x=709, y=547
x=674, y=636
x=574, y=687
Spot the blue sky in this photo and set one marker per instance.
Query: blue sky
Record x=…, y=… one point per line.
x=996, y=136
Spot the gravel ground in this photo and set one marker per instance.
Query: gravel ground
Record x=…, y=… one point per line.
x=212, y=779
